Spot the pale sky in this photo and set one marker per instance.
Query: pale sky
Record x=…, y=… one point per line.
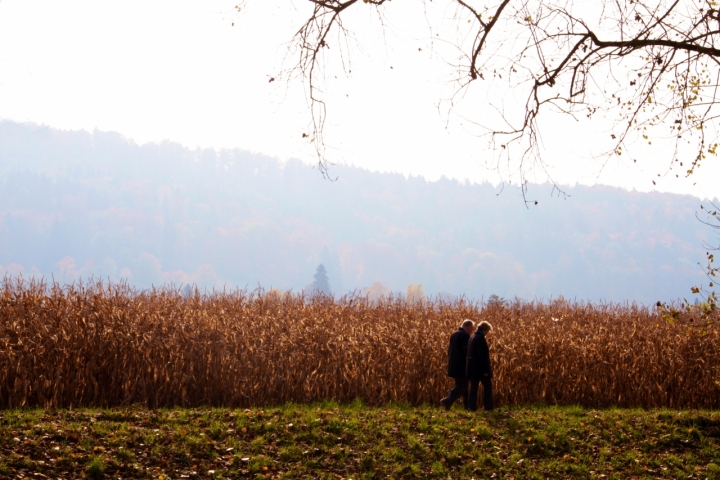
x=181, y=71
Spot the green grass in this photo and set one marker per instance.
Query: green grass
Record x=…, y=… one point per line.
x=355, y=441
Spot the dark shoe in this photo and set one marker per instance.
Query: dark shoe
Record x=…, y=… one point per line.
x=445, y=403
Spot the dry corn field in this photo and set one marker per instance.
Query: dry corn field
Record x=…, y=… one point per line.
x=106, y=345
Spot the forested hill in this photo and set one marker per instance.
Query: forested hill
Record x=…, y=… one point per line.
x=75, y=204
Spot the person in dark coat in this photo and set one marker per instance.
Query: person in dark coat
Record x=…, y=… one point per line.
x=457, y=353
x=478, y=369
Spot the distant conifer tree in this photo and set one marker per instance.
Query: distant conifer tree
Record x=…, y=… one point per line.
x=321, y=283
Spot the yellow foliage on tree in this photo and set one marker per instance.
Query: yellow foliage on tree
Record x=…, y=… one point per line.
x=415, y=294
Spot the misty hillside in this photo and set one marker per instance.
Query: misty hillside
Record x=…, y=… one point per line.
x=76, y=204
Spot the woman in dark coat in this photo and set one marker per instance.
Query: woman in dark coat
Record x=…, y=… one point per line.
x=478, y=369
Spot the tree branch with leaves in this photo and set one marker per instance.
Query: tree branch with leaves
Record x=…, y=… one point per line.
x=652, y=66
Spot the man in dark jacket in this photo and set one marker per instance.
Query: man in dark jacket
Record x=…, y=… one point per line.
x=478, y=368
x=457, y=353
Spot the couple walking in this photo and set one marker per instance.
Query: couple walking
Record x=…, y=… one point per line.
x=469, y=361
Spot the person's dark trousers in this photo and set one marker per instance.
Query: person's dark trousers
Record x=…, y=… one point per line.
x=459, y=390
x=487, y=394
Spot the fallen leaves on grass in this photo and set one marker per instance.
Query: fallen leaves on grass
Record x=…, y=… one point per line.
x=357, y=441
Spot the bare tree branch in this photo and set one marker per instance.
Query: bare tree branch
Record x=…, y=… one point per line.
x=664, y=51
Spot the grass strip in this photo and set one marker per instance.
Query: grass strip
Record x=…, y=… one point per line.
x=334, y=441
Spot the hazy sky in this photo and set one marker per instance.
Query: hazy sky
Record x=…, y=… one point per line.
x=180, y=70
